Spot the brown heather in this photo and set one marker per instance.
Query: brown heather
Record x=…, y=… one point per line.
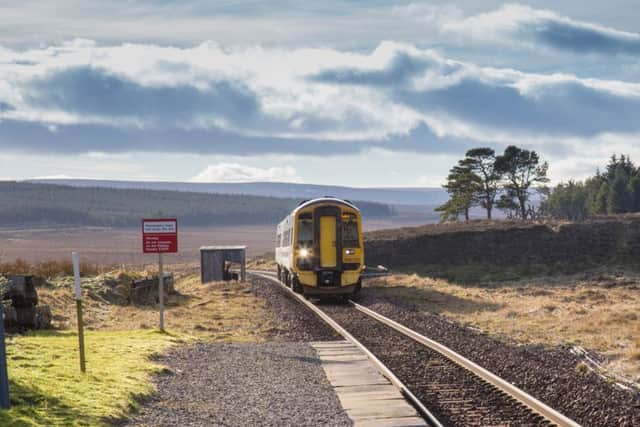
x=598, y=312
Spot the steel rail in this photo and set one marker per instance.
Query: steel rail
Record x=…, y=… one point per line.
x=506, y=387
x=386, y=372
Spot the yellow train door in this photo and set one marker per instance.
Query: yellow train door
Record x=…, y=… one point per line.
x=328, y=255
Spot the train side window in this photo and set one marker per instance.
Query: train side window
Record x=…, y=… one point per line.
x=350, y=238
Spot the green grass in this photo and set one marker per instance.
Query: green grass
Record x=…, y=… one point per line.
x=48, y=389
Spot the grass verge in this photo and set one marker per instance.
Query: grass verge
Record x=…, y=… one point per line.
x=48, y=389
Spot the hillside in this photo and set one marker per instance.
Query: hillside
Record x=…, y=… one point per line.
x=478, y=225
x=392, y=196
x=27, y=204
x=502, y=249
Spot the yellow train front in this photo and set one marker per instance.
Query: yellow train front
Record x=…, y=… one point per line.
x=319, y=248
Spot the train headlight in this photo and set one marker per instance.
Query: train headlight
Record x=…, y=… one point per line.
x=350, y=251
x=303, y=253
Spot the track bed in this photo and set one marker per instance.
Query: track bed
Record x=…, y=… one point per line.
x=547, y=373
x=452, y=394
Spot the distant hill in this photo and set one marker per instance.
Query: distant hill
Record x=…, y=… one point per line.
x=392, y=196
x=27, y=204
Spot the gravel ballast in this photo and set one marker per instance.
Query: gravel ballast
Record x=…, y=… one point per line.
x=549, y=374
x=451, y=393
x=294, y=322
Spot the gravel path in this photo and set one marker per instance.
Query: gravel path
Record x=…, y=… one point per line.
x=549, y=374
x=267, y=384
x=280, y=383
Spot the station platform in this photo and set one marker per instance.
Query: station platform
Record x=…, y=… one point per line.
x=368, y=398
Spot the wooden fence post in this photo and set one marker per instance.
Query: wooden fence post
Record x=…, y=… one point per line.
x=76, y=273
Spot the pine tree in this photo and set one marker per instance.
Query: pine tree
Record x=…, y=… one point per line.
x=462, y=185
x=600, y=202
x=521, y=170
x=482, y=163
x=568, y=200
x=634, y=190
x=619, y=197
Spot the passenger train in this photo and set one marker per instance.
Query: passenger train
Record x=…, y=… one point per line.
x=319, y=248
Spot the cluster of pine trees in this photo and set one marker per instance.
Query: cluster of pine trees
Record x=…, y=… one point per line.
x=490, y=181
x=614, y=191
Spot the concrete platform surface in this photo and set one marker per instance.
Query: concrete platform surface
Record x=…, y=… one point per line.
x=368, y=398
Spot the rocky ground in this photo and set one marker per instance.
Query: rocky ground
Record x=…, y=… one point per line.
x=554, y=375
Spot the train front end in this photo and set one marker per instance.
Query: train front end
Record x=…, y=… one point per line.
x=328, y=252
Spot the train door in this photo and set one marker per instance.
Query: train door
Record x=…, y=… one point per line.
x=328, y=235
x=328, y=256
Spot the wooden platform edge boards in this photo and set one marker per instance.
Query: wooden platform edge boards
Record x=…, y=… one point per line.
x=368, y=398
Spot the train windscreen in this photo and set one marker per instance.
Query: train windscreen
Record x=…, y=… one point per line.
x=350, y=231
x=305, y=231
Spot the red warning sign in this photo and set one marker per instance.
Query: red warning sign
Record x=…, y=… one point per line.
x=159, y=235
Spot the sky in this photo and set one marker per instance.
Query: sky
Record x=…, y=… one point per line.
x=357, y=93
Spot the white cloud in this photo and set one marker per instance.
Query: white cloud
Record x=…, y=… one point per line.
x=77, y=82
x=188, y=22
x=235, y=172
x=213, y=99
x=519, y=25
x=496, y=25
x=59, y=176
x=436, y=16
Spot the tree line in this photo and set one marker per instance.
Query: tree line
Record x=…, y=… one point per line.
x=27, y=204
x=505, y=181
x=616, y=190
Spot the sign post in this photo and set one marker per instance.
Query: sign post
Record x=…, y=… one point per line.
x=76, y=274
x=161, y=290
x=160, y=235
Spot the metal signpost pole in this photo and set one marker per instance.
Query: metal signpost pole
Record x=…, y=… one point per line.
x=160, y=235
x=4, y=376
x=161, y=291
x=76, y=274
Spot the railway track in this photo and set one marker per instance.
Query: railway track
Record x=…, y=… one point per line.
x=446, y=388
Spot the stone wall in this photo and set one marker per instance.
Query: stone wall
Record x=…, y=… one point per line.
x=574, y=244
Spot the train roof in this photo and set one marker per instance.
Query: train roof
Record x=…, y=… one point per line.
x=325, y=199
